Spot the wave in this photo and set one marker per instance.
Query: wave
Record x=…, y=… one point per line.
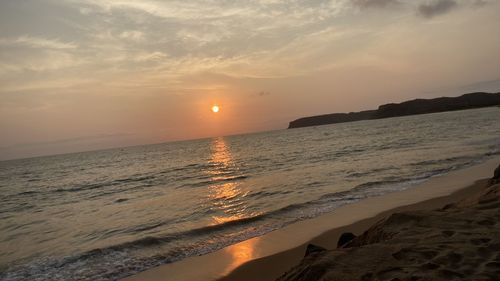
x=215, y=180
x=118, y=261
x=443, y=161
x=85, y=187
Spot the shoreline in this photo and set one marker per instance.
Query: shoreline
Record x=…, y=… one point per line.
x=269, y=256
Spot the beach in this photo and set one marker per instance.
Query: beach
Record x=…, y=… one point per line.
x=222, y=205
x=270, y=256
x=238, y=140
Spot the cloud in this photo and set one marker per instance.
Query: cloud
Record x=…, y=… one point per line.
x=37, y=42
x=375, y=3
x=479, y=3
x=19, y=62
x=132, y=35
x=154, y=56
x=436, y=8
x=152, y=42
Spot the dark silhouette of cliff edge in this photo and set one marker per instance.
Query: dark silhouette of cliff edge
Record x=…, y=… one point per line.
x=411, y=107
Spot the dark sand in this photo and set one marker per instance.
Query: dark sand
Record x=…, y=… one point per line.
x=457, y=242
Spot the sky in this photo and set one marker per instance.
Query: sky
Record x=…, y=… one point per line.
x=81, y=75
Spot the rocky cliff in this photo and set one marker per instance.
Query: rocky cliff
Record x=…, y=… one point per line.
x=412, y=107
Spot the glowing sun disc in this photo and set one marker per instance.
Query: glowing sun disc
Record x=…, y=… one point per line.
x=215, y=108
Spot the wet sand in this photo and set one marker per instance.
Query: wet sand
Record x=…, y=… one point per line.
x=269, y=256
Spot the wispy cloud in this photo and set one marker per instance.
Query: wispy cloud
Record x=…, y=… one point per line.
x=37, y=42
x=162, y=41
x=153, y=56
x=133, y=35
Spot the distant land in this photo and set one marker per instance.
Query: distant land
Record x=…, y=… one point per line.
x=411, y=107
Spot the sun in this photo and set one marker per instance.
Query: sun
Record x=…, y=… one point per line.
x=215, y=108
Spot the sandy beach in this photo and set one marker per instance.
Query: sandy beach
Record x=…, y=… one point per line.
x=270, y=256
x=460, y=241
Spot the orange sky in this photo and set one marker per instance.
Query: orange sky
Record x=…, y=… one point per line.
x=80, y=75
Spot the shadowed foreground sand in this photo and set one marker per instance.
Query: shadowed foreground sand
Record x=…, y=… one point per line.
x=457, y=242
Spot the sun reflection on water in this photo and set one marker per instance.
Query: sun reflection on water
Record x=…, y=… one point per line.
x=228, y=199
x=225, y=193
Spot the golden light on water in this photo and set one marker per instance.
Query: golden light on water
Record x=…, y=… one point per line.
x=215, y=108
x=228, y=203
x=225, y=193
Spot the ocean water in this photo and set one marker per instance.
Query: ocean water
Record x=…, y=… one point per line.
x=108, y=214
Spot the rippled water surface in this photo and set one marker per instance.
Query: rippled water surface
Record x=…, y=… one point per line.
x=108, y=214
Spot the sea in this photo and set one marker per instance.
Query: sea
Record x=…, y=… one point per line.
x=108, y=214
